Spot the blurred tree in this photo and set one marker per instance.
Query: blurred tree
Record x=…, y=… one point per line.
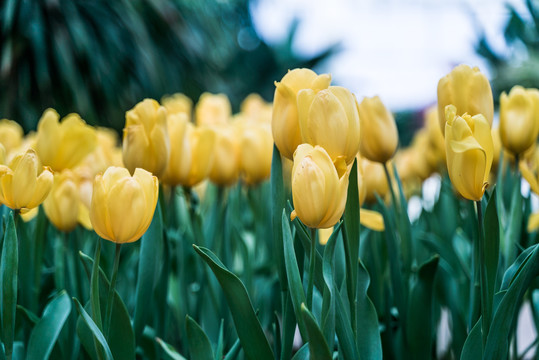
x=100, y=57
x=520, y=65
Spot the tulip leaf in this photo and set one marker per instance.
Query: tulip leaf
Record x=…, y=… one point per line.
x=233, y=352
x=199, y=344
x=368, y=339
x=317, y=343
x=491, y=250
x=94, y=330
x=404, y=226
x=148, y=271
x=344, y=330
x=328, y=301
x=46, y=331
x=9, y=263
x=302, y=353
x=420, y=328
x=250, y=332
x=473, y=347
x=169, y=350
x=295, y=285
x=514, y=224
x=277, y=206
x=516, y=281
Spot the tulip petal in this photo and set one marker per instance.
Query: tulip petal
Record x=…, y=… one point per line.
x=127, y=210
x=43, y=185
x=529, y=176
x=533, y=222
x=25, y=173
x=371, y=219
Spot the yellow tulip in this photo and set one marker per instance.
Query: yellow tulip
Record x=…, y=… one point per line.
x=256, y=153
x=11, y=134
x=191, y=154
x=519, y=125
x=63, y=206
x=123, y=205
x=213, y=109
x=63, y=145
x=24, y=184
x=436, y=137
x=225, y=169
x=329, y=118
x=319, y=188
x=379, y=136
x=374, y=179
x=146, y=143
x=177, y=104
x=468, y=90
x=469, y=150
x=253, y=107
x=285, y=124
x=368, y=218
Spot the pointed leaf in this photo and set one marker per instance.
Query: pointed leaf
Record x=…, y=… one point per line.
x=199, y=344
x=94, y=329
x=317, y=343
x=369, y=342
x=473, y=347
x=169, y=350
x=277, y=206
x=9, y=263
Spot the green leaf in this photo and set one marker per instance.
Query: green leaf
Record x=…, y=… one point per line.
x=473, y=347
x=512, y=232
x=250, y=332
x=497, y=345
x=169, y=350
x=295, y=285
x=94, y=329
x=277, y=206
x=148, y=271
x=344, y=330
x=328, y=301
x=199, y=344
x=420, y=327
x=491, y=230
x=46, y=331
x=9, y=263
x=302, y=353
x=368, y=339
x=317, y=343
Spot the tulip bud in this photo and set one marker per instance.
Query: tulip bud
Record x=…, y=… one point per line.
x=319, y=189
x=256, y=153
x=24, y=184
x=123, y=205
x=379, y=136
x=375, y=180
x=253, y=107
x=63, y=145
x=368, y=218
x=145, y=141
x=177, y=104
x=11, y=134
x=469, y=149
x=285, y=123
x=468, y=90
x=212, y=109
x=329, y=118
x=191, y=155
x=435, y=135
x=519, y=123
x=63, y=205
x=225, y=168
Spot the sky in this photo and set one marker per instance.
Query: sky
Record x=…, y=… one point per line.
x=395, y=49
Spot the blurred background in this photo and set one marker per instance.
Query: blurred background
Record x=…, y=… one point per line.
x=100, y=57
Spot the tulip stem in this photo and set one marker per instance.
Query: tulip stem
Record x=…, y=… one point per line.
x=108, y=313
x=485, y=312
x=390, y=185
x=310, y=279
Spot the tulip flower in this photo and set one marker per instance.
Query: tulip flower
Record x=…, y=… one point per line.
x=225, y=167
x=368, y=218
x=146, y=143
x=379, y=136
x=285, y=124
x=256, y=153
x=122, y=205
x=469, y=150
x=374, y=179
x=468, y=90
x=11, y=135
x=24, y=184
x=177, y=104
x=329, y=118
x=63, y=206
x=213, y=109
x=319, y=188
x=191, y=155
x=254, y=108
x=519, y=124
x=63, y=145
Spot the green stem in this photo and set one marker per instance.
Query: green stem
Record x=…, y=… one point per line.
x=390, y=185
x=485, y=309
x=310, y=279
x=108, y=313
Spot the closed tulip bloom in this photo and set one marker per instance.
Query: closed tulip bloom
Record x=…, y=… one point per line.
x=256, y=153
x=319, y=189
x=468, y=90
x=369, y=218
x=225, y=168
x=469, y=150
x=192, y=152
x=519, y=119
x=435, y=135
x=177, y=104
x=146, y=143
x=285, y=123
x=213, y=109
x=254, y=108
x=24, y=184
x=122, y=205
x=374, y=179
x=379, y=136
x=63, y=145
x=63, y=203
x=11, y=134
x=329, y=118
